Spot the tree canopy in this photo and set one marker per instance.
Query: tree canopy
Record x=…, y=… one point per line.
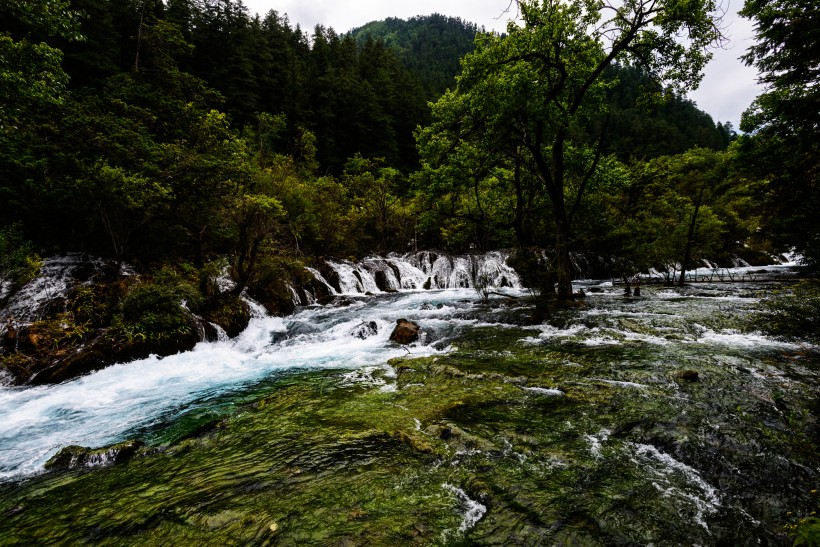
x=531, y=95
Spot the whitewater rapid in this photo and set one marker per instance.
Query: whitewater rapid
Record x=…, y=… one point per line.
x=110, y=405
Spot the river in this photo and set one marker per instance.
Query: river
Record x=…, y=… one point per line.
x=659, y=419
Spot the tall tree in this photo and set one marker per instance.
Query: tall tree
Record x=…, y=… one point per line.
x=535, y=89
x=32, y=85
x=785, y=119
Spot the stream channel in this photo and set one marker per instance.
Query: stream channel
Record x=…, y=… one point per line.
x=660, y=419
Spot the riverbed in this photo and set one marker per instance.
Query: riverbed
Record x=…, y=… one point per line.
x=662, y=419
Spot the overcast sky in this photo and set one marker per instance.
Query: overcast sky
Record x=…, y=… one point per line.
x=727, y=88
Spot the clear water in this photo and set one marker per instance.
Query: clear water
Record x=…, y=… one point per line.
x=579, y=430
x=127, y=399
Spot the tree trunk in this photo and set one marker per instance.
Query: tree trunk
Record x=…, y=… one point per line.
x=563, y=264
x=563, y=273
x=690, y=237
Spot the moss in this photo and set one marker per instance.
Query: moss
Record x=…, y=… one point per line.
x=313, y=461
x=793, y=313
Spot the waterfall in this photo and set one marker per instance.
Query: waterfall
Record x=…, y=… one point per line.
x=319, y=277
x=420, y=270
x=57, y=275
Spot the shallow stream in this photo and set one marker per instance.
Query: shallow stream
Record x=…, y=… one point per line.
x=653, y=420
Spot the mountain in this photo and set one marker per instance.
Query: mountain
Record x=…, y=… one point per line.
x=431, y=46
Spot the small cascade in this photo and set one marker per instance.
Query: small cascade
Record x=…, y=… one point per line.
x=440, y=270
x=221, y=335
x=257, y=310
x=310, y=298
x=354, y=278
x=421, y=270
x=409, y=276
x=580, y=264
x=57, y=276
x=319, y=277
x=224, y=281
x=494, y=269
x=199, y=322
x=294, y=296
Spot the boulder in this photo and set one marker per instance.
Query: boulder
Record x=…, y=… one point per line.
x=689, y=375
x=406, y=332
x=382, y=281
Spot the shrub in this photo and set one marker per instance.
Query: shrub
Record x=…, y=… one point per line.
x=18, y=261
x=159, y=308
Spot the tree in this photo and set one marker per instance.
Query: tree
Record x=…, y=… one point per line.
x=32, y=83
x=375, y=192
x=533, y=91
x=256, y=218
x=680, y=209
x=785, y=119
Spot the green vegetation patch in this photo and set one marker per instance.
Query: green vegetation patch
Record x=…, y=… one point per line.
x=497, y=442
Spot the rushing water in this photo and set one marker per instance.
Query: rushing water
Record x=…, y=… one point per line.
x=114, y=403
x=586, y=428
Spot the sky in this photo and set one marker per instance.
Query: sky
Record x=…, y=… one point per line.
x=727, y=89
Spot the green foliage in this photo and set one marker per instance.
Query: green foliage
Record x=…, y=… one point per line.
x=158, y=309
x=376, y=203
x=786, y=53
x=30, y=72
x=430, y=46
x=683, y=208
x=141, y=157
x=647, y=121
x=18, y=261
x=525, y=100
x=785, y=119
x=806, y=532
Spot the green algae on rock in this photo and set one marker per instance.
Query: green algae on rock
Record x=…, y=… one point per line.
x=518, y=435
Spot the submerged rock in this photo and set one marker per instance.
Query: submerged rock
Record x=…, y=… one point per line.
x=74, y=456
x=406, y=332
x=365, y=330
x=689, y=375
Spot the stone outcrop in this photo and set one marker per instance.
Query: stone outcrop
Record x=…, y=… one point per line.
x=405, y=332
x=72, y=319
x=365, y=330
x=74, y=457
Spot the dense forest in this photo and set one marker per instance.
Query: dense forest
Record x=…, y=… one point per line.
x=194, y=132
x=414, y=283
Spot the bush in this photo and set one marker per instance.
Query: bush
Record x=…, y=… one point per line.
x=160, y=308
x=18, y=261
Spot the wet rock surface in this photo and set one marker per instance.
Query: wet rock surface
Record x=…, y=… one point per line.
x=405, y=332
x=365, y=330
x=76, y=457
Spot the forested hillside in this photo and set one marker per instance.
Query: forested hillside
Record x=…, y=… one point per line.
x=186, y=131
x=431, y=46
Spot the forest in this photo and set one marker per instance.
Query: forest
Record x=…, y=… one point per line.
x=187, y=138
x=413, y=283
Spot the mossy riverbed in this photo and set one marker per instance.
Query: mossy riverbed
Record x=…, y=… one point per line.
x=626, y=422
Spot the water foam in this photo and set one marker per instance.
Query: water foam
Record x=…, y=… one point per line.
x=123, y=400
